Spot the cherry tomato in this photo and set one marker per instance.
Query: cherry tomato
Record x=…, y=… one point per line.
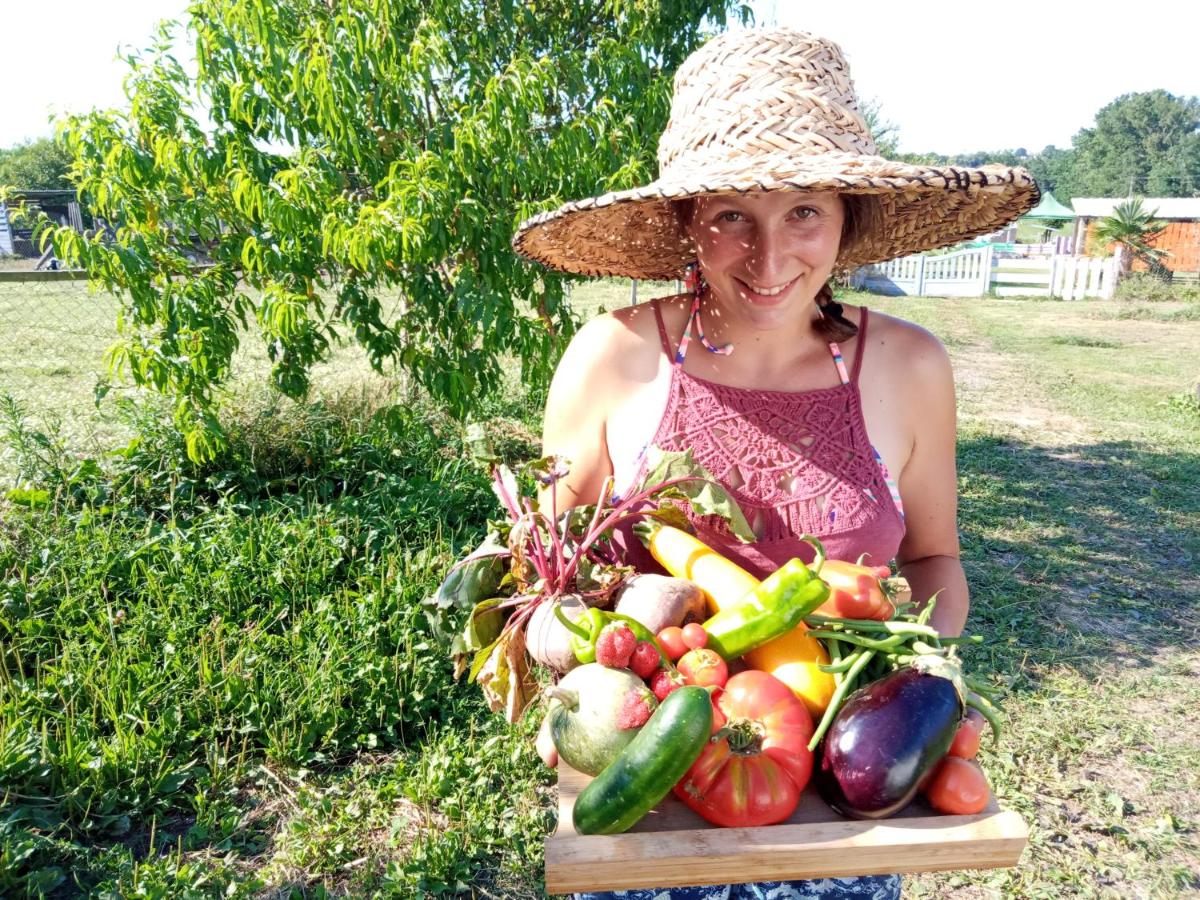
x=704, y=667
x=966, y=739
x=671, y=639
x=958, y=787
x=694, y=635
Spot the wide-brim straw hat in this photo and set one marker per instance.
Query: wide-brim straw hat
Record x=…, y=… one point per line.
x=769, y=110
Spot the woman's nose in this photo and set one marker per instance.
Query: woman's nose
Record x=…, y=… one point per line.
x=767, y=257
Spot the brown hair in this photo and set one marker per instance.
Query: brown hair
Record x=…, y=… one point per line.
x=863, y=220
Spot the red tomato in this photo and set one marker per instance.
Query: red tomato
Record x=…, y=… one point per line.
x=694, y=635
x=958, y=787
x=703, y=667
x=671, y=639
x=855, y=591
x=753, y=771
x=966, y=739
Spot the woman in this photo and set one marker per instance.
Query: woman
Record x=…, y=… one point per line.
x=769, y=184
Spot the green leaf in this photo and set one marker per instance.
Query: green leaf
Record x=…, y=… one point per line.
x=28, y=497
x=701, y=490
x=483, y=627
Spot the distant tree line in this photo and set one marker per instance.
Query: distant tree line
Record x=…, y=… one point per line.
x=1146, y=144
x=35, y=165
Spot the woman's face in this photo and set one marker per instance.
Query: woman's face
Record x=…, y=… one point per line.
x=765, y=255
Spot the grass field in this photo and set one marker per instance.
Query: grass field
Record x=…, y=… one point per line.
x=221, y=682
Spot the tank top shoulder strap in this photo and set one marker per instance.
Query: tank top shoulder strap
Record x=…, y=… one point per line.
x=836, y=351
x=674, y=354
x=861, y=344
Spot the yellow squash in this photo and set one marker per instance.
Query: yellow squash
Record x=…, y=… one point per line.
x=793, y=658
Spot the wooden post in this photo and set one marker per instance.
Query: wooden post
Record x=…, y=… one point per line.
x=633, y=292
x=920, y=288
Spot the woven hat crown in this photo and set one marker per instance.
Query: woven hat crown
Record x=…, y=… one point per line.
x=764, y=111
x=743, y=97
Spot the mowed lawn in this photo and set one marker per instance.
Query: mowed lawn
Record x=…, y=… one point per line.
x=348, y=760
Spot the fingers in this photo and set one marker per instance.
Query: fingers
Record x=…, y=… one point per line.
x=545, y=745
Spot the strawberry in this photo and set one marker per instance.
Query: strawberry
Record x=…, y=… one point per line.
x=615, y=645
x=636, y=707
x=664, y=681
x=644, y=660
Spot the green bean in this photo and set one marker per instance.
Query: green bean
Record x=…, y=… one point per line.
x=987, y=710
x=889, y=626
x=841, y=666
x=835, y=702
x=920, y=647
x=859, y=641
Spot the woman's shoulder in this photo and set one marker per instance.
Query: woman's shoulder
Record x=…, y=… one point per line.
x=627, y=339
x=897, y=348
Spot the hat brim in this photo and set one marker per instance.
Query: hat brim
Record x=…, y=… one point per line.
x=636, y=234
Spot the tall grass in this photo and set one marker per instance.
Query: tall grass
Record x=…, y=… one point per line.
x=166, y=630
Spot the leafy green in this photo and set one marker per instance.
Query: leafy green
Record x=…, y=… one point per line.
x=700, y=489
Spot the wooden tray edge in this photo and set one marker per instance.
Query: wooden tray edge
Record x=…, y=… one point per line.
x=577, y=862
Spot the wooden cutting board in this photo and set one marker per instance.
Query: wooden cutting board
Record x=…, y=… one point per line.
x=674, y=847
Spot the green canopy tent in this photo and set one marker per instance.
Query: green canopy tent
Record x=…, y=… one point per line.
x=1049, y=208
x=1048, y=214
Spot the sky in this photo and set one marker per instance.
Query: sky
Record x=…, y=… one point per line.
x=954, y=77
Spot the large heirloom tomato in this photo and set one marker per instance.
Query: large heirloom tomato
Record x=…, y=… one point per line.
x=758, y=762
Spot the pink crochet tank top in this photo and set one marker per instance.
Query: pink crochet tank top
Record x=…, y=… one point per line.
x=797, y=462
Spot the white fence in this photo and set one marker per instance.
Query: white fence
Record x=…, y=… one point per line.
x=972, y=273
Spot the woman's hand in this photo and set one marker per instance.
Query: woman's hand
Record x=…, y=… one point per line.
x=545, y=744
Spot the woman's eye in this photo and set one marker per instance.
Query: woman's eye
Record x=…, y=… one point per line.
x=805, y=212
x=729, y=216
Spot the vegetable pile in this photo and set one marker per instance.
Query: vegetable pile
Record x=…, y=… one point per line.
x=731, y=692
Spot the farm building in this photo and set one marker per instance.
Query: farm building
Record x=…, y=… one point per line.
x=1180, y=238
x=62, y=206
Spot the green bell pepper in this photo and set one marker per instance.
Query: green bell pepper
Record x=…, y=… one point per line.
x=774, y=608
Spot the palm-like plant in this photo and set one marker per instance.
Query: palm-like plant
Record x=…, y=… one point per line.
x=1134, y=228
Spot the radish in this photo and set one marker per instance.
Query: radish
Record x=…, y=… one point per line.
x=586, y=714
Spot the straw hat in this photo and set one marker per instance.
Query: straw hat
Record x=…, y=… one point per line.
x=767, y=110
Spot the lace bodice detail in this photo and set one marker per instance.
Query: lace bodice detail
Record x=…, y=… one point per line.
x=797, y=463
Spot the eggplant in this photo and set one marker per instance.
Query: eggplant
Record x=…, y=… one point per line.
x=886, y=740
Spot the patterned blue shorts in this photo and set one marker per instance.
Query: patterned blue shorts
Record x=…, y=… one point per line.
x=872, y=887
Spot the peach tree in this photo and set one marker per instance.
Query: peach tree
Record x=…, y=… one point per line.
x=358, y=167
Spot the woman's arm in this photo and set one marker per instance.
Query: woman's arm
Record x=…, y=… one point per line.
x=929, y=554
x=577, y=416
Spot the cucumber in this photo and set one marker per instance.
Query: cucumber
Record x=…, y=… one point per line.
x=646, y=770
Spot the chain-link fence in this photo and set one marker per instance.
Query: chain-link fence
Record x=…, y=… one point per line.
x=54, y=334
x=53, y=338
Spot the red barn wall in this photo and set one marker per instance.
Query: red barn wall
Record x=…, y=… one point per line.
x=1181, y=238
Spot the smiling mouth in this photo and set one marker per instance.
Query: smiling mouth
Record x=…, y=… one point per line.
x=763, y=291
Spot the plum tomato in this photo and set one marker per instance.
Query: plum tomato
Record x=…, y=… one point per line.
x=958, y=787
x=694, y=635
x=967, y=738
x=671, y=639
x=703, y=667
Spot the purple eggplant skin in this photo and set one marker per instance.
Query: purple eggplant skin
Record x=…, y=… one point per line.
x=885, y=741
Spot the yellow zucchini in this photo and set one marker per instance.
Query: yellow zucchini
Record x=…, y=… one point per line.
x=723, y=581
x=792, y=658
